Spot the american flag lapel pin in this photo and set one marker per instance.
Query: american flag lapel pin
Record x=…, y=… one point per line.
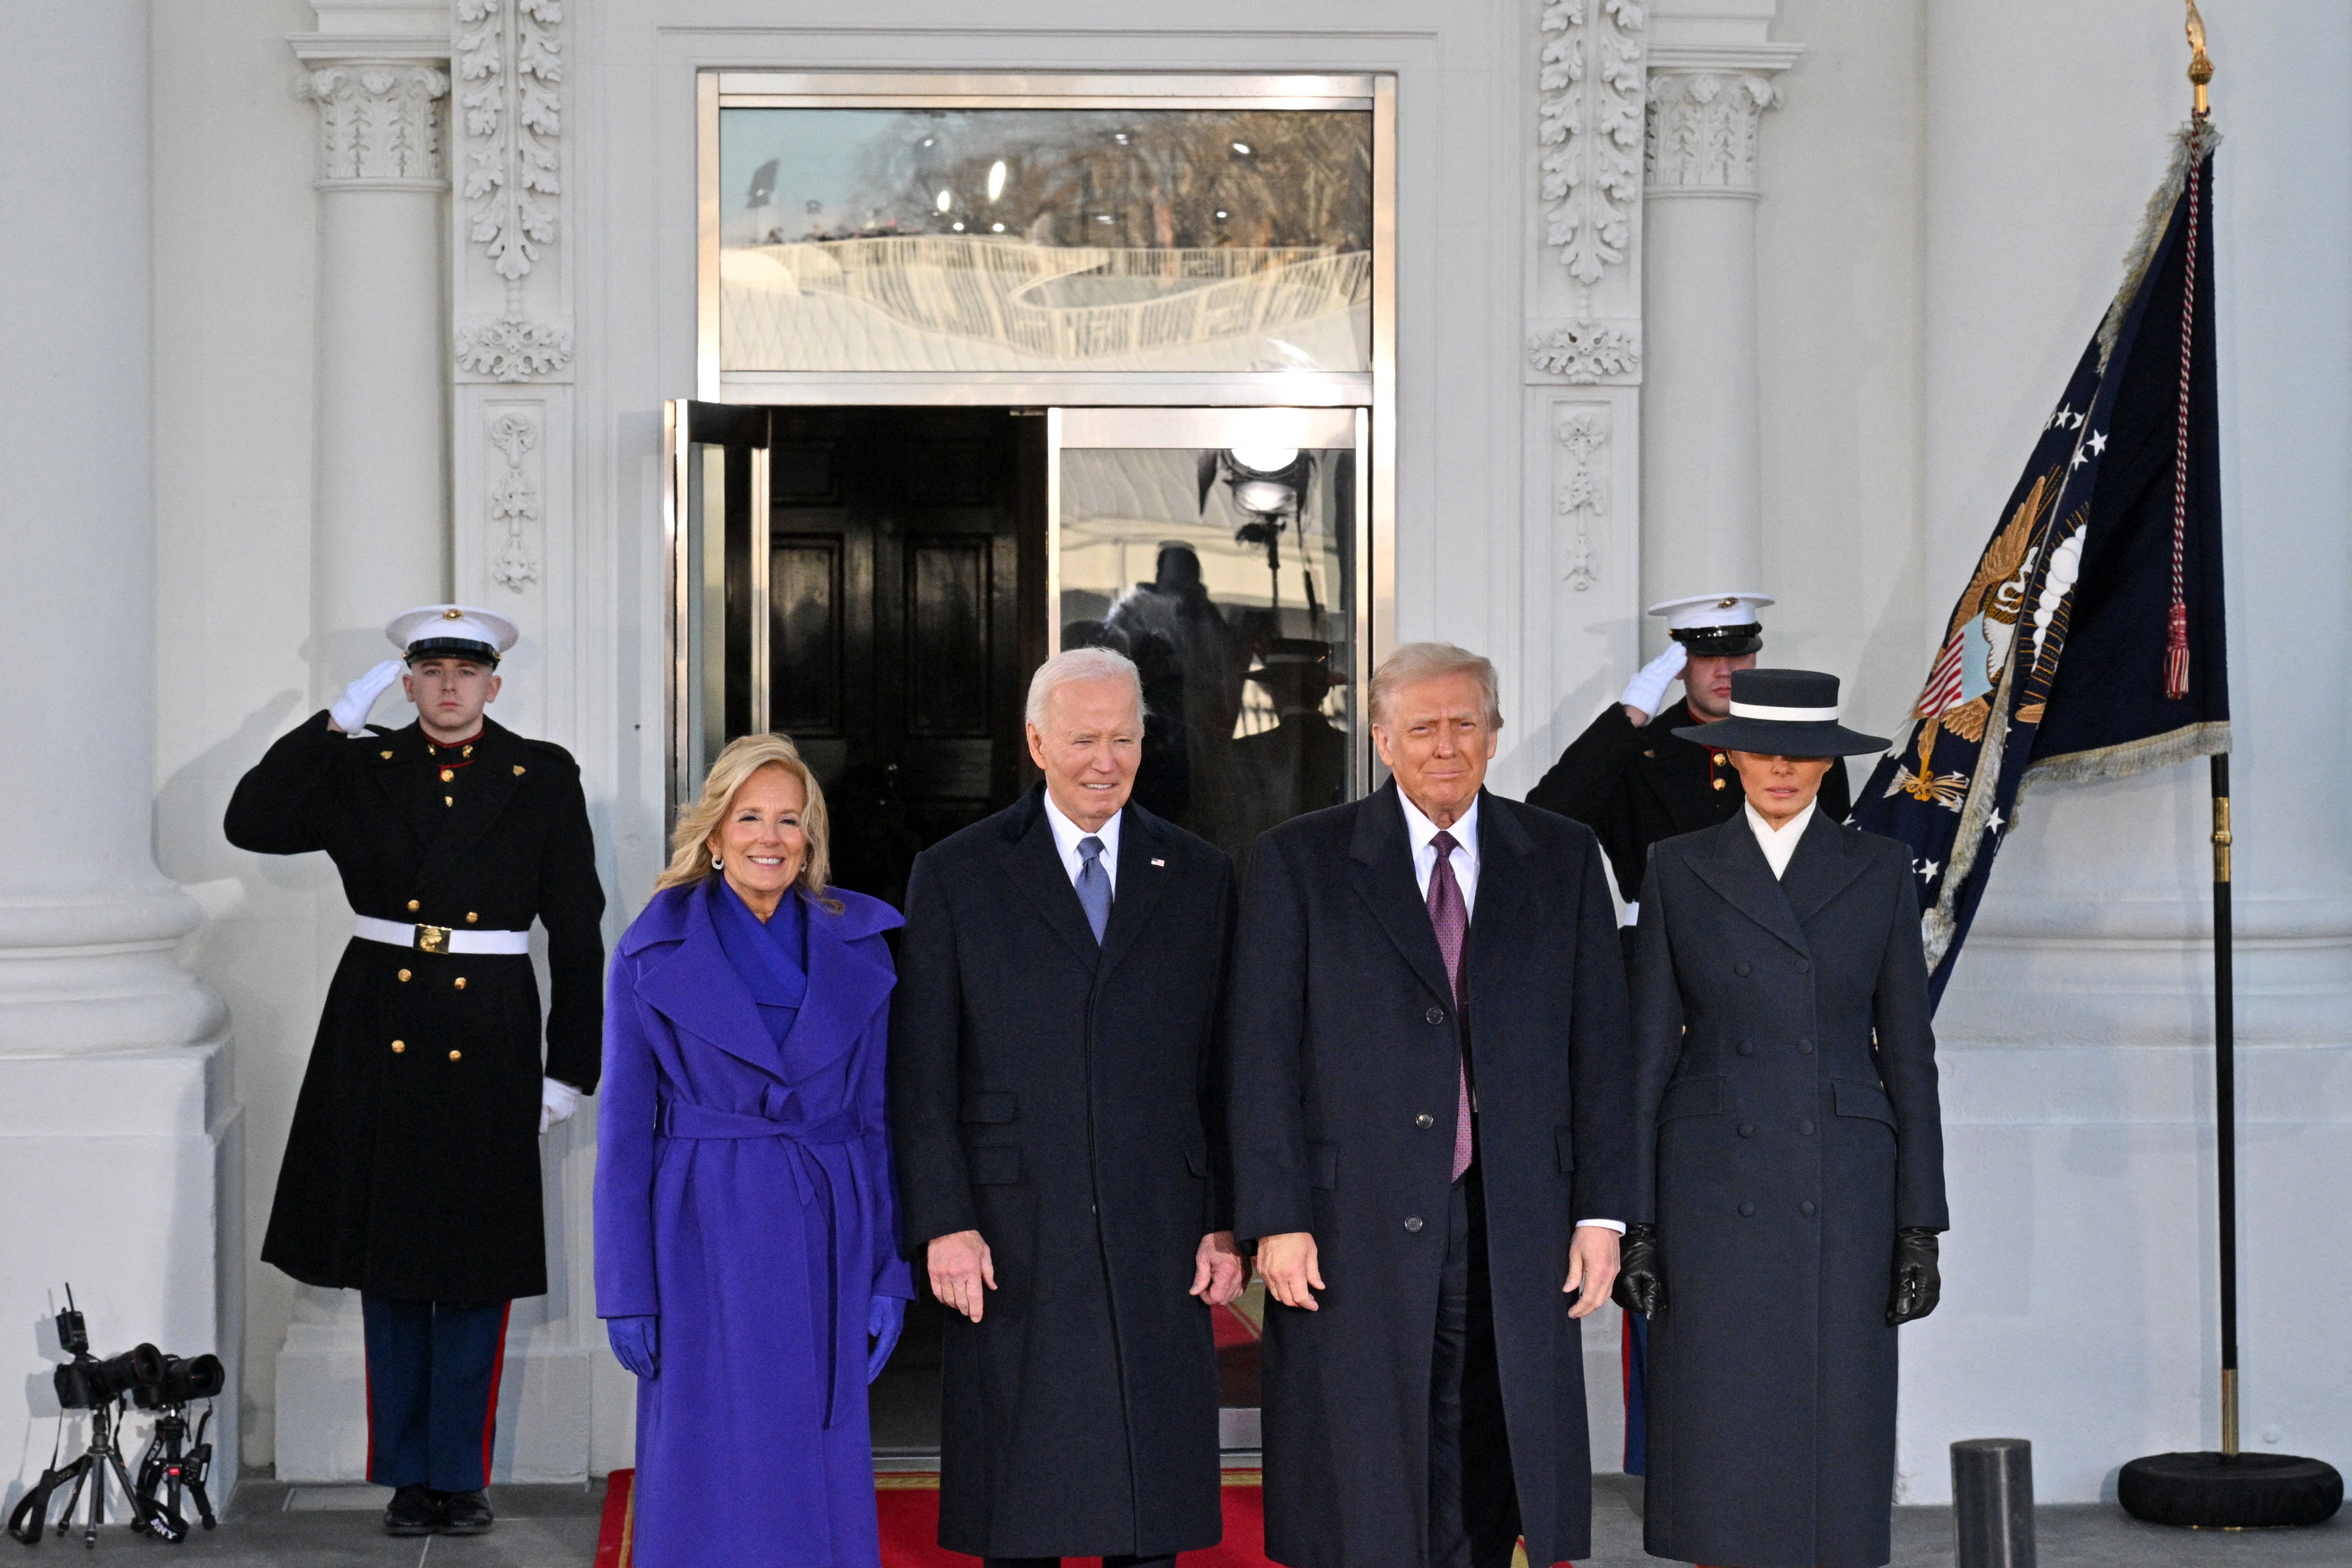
x=1158, y=861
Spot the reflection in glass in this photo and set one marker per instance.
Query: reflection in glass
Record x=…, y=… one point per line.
x=1228, y=577
x=876, y=240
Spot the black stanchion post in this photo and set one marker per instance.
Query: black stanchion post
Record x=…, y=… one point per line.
x=1992, y=1502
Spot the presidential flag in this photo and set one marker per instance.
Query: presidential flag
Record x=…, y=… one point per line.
x=2089, y=642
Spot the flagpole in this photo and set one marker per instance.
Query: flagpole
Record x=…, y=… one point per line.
x=2225, y=1101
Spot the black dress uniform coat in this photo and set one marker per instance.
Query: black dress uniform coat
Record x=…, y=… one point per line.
x=1634, y=786
x=1787, y=1126
x=1345, y=1053
x=1061, y=1099
x=412, y=1168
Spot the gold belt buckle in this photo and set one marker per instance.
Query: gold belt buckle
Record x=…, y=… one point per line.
x=432, y=939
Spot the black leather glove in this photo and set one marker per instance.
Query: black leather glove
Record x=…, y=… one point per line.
x=1918, y=1281
x=1641, y=1286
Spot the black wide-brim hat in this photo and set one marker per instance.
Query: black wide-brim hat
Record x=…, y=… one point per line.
x=1783, y=713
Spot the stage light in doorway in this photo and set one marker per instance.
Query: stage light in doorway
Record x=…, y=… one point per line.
x=946, y=200
x=996, y=179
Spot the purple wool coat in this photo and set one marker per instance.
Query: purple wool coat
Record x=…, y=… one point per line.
x=743, y=1197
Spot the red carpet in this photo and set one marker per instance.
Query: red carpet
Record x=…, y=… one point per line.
x=909, y=1506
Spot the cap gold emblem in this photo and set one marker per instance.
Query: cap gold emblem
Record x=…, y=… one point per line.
x=455, y=613
x=387, y=756
x=517, y=770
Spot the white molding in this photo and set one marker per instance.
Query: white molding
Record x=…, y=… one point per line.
x=507, y=59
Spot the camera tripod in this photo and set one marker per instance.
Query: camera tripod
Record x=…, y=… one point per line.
x=30, y=1516
x=166, y=1468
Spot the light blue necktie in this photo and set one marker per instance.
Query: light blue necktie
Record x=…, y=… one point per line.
x=1094, y=885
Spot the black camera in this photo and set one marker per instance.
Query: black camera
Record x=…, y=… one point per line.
x=86, y=1383
x=194, y=1377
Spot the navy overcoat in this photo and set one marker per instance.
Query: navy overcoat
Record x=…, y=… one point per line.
x=1060, y=1097
x=743, y=1198
x=1787, y=1126
x=1345, y=1050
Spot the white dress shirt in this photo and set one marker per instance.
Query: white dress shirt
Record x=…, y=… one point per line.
x=1419, y=831
x=1778, y=843
x=1067, y=835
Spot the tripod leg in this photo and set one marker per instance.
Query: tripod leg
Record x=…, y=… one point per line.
x=203, y=1499
x=144, y=1515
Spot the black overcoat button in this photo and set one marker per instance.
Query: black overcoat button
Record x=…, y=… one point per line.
x=1804, y=1047
x=1435, y=1015
x=1743, y=969
x=1747, y=1210
x=1806, y=1128
x=1747, y=1130
x=1806, y=1208
x=1804, y=967
x=1425, y=1120
x=1412, y=1224
x=1747, y=1047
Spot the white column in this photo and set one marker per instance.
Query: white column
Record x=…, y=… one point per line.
x=382, y=519
x=117, y=1127
x=1711, y=79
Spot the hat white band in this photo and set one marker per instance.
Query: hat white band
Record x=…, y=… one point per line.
x=1784, y=715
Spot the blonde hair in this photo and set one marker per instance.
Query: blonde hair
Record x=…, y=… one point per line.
x=1417, y=661
x=689, y=843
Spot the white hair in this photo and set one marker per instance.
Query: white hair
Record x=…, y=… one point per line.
x=1080, y=664
x=1418, y=661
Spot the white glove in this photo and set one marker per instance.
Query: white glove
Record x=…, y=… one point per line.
x=1648, y=690
x=557, y=1102
x=350, y=711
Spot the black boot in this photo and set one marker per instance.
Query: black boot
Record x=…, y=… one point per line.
x=465, y=1513
x=413, y=1511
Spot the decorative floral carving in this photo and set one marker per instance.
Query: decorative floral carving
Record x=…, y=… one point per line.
x=514, y=500
x=510, y=56
x=1581, y=497
x=1588, y=122
x=1585, y=351
x=378, y=121
x=1702, y=128
x=513, y=349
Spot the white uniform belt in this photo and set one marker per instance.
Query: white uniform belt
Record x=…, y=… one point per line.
x=440, y=939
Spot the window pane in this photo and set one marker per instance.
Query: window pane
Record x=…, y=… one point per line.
x=884, y=239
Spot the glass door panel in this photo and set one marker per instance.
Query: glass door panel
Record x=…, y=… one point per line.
x=714, y=484
x=1222, y=550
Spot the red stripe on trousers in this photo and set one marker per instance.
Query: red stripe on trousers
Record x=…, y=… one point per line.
x=490, y=1416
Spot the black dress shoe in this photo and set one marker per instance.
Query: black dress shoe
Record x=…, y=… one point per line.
x=467, y=1513
x=413, y=1511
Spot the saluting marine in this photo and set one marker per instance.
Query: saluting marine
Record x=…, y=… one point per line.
x=411, y=1172
x=1630, y=778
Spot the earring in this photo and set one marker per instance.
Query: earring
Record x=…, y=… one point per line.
x=716, y=862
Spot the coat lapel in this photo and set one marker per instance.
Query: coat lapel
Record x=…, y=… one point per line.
x=844, y=987
x=1034, y=865
x=1497, y=924
x=696, y=988
x=1731, y=862
x=1141, y=882
x=482, y=792
x=398, y=760
x=1384, y=880
x=1821, y=869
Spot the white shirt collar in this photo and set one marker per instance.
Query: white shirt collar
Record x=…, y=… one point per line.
x=1067, y=833
x=1779, y=844
x=1419, y=831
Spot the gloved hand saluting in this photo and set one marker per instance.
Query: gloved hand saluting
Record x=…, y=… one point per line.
x=884, y=1322
x=1641, y=1287
x=637, y=1342
x=557, y=1102
x=1646, y=692
x=350, y=711
x=1918, y=1281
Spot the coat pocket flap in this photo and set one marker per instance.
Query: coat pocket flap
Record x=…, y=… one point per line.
x=995, y=1165
x=1695, y=1097
x=1864, y=1099
x=1196, y=1156
x=1563, y=1140
x=992, y=1105
x=1323, y=1165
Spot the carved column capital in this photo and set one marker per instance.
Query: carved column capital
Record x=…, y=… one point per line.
x=1705, y=111
x=378, y=122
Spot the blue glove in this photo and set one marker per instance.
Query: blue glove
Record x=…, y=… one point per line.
x=883, y=1323
x=636, y=1341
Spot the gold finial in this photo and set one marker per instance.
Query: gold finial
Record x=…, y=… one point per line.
x=2200, y=64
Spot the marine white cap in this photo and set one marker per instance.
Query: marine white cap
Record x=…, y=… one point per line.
x=452, y=631
x=1711, y=610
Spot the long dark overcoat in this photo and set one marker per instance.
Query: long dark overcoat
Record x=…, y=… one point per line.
x=1061, y=1098
x=1634, y=785
x=1345, y=1052
x=743, y=1199
x=1787, y=1125
x=412, y=1170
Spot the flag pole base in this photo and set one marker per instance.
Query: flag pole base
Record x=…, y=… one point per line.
x=2230, y=1491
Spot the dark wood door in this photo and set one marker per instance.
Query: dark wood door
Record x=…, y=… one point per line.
x=906, y=580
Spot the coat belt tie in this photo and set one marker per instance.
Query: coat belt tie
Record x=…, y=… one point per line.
x=684, y=1119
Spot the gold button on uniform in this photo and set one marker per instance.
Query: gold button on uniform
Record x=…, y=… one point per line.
x=449, y=800
x=447, y=774
x=404, y=977
x=412, y=906
x=461, y=982
x=1719, y=783
x=455, y=1055
x=1720, y=760
x=398, y=1046
x=471, y=916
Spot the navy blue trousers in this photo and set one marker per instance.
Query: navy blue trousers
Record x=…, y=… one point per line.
x=432, y=1392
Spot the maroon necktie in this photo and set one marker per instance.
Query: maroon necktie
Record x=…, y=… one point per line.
x=1452, y=920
